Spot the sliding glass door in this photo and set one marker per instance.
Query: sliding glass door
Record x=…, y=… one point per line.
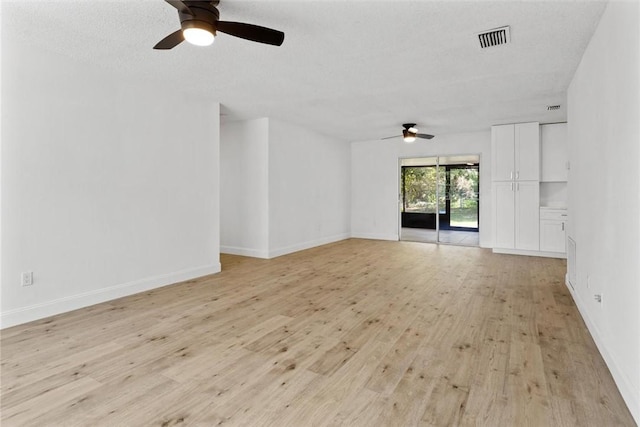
x=440, y=199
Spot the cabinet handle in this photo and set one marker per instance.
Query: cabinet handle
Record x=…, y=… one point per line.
x=518, y=175
x=512, y=186
x=511, y=175
x=563, y=226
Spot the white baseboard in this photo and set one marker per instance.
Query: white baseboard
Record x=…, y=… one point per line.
x=254, y=253
x=629, y=394
x=308, y=245
x=375, y=236
x=561, y=255
x=73, y=302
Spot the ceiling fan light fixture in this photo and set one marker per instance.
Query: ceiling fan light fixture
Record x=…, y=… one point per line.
x=198, y=33
x=408, y=136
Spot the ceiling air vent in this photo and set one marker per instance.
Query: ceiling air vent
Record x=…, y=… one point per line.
x=494, y=37
x=553, y=107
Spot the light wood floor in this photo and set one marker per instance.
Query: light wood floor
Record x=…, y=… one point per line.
x=357, y=333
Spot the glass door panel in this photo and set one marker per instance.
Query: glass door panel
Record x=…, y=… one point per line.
x=463, y=197
x=419, y=189
x=440, y=199
x=419, y=200
x=419, y=203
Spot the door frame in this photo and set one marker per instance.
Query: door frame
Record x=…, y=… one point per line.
x=400, y=200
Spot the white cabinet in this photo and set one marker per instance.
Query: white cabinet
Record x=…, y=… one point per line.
x=554, y=174
x=527, y=215
x=553, y=237
x=529, y=165
x=504, y=218
x=515, y=168
x=516, y=215
x=554, y=160
x=527, y=151
x=515, y=152
x=502, y=152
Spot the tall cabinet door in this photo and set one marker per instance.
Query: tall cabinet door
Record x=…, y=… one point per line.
x=503, y=214
x=527, y=215
x=502, y=153
x=527, y=151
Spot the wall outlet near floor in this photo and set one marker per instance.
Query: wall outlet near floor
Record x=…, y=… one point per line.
x=26, y=278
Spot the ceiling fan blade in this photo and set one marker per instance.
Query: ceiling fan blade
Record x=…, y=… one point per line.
x=390, y=137
x=182, y=8
x=251, y=32
x=171, y=41
x=424, y=136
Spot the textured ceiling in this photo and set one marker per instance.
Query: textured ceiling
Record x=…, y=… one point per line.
x=351, y=69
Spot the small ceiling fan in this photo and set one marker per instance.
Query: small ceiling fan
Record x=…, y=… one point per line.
x=410, y=133
x=200, y=20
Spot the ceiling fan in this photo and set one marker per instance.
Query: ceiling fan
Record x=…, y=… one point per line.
x=200, y=20
x=410, y=133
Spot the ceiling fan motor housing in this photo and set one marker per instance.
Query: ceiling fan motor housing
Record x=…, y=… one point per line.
x=406, y=133
x=205, y=15
x=409, y=130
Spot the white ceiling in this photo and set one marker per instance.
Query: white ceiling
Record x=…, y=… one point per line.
x=353, y=69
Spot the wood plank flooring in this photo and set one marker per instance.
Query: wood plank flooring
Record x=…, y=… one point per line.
x=357, y=333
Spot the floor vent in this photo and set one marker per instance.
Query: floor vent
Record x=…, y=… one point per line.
x=494, y=37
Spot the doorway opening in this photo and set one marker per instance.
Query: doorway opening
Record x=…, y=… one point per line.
x=440, y=199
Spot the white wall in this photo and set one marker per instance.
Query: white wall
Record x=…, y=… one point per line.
x=244, y=188
x=309, y=189
x=375, y=180
x=284, y=188
x=604, y=192
x=374, y=190
x=109, y=185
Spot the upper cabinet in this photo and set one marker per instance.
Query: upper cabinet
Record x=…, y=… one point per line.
x=527, y=151
x=515, y=152
x=554, y=153
x=502, y=152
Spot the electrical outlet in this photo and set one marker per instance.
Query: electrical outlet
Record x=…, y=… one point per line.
x=26, y=279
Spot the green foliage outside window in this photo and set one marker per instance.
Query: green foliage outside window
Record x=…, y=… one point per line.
x=420, y=188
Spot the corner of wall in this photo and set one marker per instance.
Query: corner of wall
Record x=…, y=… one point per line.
x=273, y=253
x=629, y=393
